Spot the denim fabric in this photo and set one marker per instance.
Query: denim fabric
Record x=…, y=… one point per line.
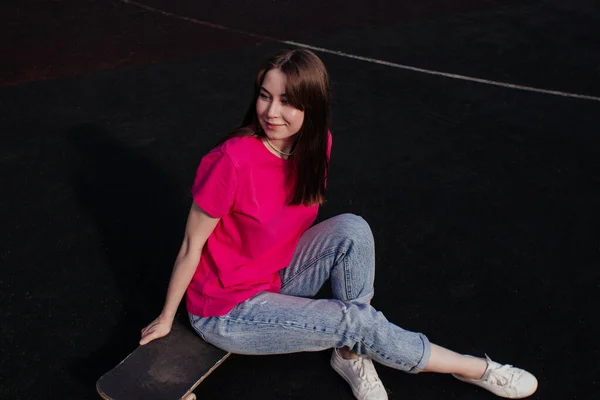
x=341, y=249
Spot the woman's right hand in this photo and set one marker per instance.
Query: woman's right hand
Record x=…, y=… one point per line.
x=199, y=227
x=158, y=328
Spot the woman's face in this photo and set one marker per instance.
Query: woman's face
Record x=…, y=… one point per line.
x=279, y=119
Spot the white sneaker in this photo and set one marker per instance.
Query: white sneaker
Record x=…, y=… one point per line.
x=505, y=380
x=361, y=375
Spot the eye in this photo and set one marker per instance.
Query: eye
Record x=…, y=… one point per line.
x=285, y=102
x=263, y=96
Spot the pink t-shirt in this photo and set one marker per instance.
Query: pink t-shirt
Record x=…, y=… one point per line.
x=248, y=187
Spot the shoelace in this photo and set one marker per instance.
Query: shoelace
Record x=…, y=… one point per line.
x=503, y=376
x=366, y=372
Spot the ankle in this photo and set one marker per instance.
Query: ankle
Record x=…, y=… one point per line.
x=347, y=354
x=474, y=368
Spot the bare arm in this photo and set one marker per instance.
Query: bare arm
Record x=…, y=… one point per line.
x=199, y=227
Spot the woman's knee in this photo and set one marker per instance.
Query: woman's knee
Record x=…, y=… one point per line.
x=354, y=227
x=354, y=278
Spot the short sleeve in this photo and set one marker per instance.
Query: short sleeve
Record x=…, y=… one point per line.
x=215, y=184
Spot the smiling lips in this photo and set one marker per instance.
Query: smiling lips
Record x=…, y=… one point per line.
x=271, y=126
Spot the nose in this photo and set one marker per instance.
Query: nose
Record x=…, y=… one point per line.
x=273, y=110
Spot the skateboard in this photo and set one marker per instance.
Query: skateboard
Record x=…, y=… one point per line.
x=168, y=368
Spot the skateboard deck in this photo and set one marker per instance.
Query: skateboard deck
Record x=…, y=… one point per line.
x=168, y=368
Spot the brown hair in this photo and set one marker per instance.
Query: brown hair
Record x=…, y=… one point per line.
x=307, y=89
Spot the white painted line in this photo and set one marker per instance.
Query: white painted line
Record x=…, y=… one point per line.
x=445, y=74
x=368, y=59
x=198, y=22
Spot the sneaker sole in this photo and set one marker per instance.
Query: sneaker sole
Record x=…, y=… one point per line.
x=460, y=378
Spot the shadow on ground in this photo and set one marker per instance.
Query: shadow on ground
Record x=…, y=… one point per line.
x=137, y=213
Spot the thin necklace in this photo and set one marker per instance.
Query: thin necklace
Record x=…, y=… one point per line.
x=283, y=153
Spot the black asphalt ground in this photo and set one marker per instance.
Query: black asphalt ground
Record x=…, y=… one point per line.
x=483, y=199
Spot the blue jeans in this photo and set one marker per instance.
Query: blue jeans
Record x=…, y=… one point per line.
x=341, y=249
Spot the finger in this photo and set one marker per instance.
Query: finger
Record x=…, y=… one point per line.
x=150, y=336
x=146, y=339
x=146, y=329
x=147, y=336
x=150, y=326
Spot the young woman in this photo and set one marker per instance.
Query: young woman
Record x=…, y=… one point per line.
x=250, y=261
